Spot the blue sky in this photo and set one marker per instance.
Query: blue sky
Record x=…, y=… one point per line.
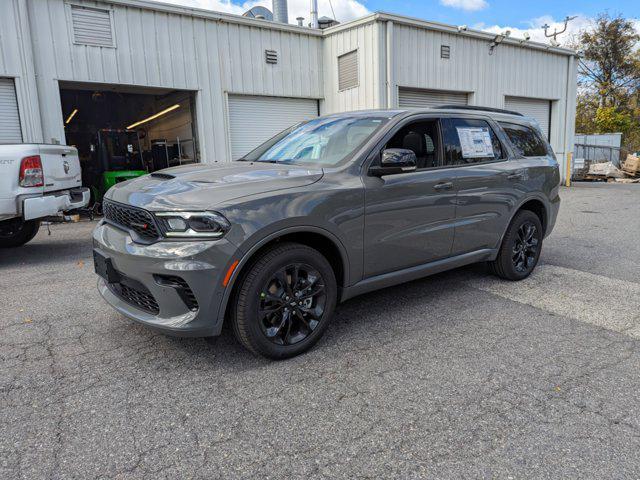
x=490, y=15
x=504, y=12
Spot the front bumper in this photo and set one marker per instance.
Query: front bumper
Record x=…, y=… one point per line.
x=201, y=264
x=54, y=203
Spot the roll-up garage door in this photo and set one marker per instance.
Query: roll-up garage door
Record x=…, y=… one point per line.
x=255, y=119
x=10, y=131
x=411, y=98
x=538, y=109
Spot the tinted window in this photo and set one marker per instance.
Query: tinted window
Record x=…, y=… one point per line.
x=422, y=138
x=526, y=142
x=324, y=141
x=469, y=141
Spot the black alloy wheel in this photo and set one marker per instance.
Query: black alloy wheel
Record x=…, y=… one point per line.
x=292, y=304
x=284, y=301
x=525, y=247
x=521, y=246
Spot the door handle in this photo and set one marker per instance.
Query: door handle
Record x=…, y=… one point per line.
x=515, y=176
x=443, y=186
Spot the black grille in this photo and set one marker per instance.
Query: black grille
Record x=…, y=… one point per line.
x=182, y=288
x=131, y=218
x=136, y=295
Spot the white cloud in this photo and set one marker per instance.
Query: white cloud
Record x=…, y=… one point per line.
x=536, y=31
x=345, y=10
x=466, y=5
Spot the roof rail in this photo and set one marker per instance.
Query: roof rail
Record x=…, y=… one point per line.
x=479, y=109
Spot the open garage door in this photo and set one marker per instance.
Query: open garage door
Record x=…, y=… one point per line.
x=125, y=131
x=413, y=98
x=538, y=109
x=255, y=119
x=10, y=131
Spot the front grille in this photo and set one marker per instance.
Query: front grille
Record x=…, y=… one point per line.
x=135, y=294
x=182, y=288
x=131, y=218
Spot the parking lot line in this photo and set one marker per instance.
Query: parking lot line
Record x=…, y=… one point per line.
x=602, y=301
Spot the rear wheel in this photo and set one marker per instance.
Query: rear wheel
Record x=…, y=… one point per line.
x=17, y=232
x=285, y=301
x=520, y=249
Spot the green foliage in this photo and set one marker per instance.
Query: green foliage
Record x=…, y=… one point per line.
x=608, y=119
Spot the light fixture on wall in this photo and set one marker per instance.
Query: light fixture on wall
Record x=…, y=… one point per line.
x=71, y=115
x=154, y=116
x=497, y=40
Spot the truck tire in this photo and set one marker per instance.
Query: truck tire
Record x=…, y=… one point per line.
x=285, y=301
x=17, y=232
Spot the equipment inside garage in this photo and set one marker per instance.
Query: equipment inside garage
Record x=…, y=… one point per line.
x=124, y=132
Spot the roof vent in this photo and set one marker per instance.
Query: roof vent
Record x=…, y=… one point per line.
x=271, y=56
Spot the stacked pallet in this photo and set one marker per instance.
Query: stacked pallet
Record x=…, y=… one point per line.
x=631, y=166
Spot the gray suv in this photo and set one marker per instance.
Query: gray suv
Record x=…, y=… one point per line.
x=329, y=209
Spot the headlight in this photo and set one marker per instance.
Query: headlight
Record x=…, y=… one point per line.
x=193, y=224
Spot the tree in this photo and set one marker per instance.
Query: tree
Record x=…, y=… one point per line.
x=609, y=66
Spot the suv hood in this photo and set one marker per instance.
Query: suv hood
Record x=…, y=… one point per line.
x=204, y=186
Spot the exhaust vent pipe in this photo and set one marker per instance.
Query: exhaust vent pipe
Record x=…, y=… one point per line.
x=280, y=13
x=314, y=14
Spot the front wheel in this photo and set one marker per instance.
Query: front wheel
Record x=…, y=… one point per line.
x=16, y=232
x=520, y=249
x=285, y=301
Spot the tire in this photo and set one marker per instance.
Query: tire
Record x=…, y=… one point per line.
x=520, y=249
x=17, y=232
x=265, y=318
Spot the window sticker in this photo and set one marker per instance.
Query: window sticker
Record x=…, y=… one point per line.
x=475, y=142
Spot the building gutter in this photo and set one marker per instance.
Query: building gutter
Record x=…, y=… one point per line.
x=390, y=80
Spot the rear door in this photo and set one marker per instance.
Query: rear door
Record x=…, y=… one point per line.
x=486, y=181
x=409, y=217
x=61, y=167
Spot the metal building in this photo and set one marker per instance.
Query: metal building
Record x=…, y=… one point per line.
x=224, y=83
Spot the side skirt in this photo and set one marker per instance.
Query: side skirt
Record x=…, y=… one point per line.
x=413, y=273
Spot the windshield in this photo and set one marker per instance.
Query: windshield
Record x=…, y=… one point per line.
x=324, y=141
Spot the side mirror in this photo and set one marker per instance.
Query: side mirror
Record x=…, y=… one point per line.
x=395, y=160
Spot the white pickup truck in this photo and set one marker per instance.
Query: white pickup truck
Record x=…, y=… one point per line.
x=36, y=181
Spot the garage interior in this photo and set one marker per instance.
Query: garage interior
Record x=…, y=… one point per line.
x=128, y=129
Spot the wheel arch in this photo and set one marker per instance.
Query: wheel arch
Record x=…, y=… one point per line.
x=315, y=237
x=534, y=204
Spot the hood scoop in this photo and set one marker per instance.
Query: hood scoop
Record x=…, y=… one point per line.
x=164, y=176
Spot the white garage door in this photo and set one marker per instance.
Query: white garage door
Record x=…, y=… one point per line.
x=410, y=98
x=255, y=119
x=535, y=108
x=10, y=131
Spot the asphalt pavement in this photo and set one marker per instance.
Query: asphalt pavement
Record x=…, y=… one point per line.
x=459, y=375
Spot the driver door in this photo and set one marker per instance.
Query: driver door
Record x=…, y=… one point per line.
x=409, y=217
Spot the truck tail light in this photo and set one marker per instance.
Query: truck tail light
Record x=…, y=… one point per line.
x=31, y=172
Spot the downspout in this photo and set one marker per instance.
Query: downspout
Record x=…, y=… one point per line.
x=390, y=80
x=568, y=153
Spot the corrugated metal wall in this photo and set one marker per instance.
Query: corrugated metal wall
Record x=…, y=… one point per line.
x=368, y=94
x=161, y=49
x=16, y=62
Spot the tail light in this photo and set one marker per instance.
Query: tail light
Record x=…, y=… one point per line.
x=31, y=172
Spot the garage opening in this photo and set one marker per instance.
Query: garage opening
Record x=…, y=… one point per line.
x=255, y=119
x=123, y=132
x=538, y=109
x=414, y=98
